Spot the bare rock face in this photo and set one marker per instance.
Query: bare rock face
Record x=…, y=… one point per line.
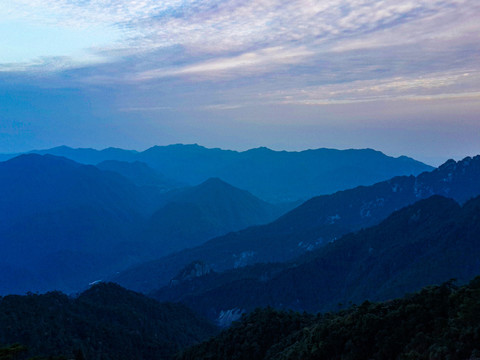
x=226, y=317
x=191, y=271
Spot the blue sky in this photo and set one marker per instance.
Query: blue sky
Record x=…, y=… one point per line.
x=402, y=77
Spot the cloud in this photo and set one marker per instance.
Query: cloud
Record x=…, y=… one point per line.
x=221, y=107
x=457, y=85
x=451, y=24
x=315, y=51
x=233, y=26
x=48, y=64
x=145, y=108
x=263, y=60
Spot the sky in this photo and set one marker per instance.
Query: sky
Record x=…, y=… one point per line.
x=399, y=76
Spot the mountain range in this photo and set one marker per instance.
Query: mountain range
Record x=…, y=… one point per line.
x=64, y=224
x=166, y=222
x=426, y=243
x=313, y=224
x=56, y=212
x=274, y=176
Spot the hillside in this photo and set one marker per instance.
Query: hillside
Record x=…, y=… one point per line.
x=274, y=176
x=426, y=243
x=64, y=225
x=104, y=322
x=439, y=322
x=57, y=214
x=197, y=214
x=313, y=224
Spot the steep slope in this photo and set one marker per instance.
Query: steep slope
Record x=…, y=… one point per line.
x=439, y=322
x=196, y=214
x=274, y=176
x=104, y=322
x=429, y=242
x=52, y=208
x=313, y=224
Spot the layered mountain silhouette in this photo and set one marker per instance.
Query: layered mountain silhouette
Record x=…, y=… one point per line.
x=104, y=322
x=53, y=208
x=274, y=176
x=223, y=252
x=63, y=224
x=91, y=156
x=197, y=214
x=313, y=224
x=429, y=242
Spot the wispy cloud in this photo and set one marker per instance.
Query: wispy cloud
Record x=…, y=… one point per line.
x=455, y=85
x=459, y=24
x=145, y=108
x=221, y=30
x=48, y=64
x=221, y=107
x=260, y=61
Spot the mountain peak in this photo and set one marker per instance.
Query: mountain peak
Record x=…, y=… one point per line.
x=215, y=181
x=214, y=189
x=452, y=164
x=261, y=149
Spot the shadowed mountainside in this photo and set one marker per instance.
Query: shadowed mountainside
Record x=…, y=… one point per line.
x=53, y=208
x=316, y=222
x=439, y=322
x=274, y=176
x=426, y=243
x=63, y=224
x=104, y=322
x=197, y=214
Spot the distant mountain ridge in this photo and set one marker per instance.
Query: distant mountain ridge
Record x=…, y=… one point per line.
x=64, y=224
x=316, y=222
x=274, y=176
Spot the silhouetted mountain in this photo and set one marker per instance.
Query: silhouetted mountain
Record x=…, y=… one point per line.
x=91, y=156
x=316, y=222
x=213, y=208
x=104, y=322
x=64, y=224
x=275, y=176
x=280, y=175
x=429, y=242
x=53, y=210
x=139, y=173
x=439, y=322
